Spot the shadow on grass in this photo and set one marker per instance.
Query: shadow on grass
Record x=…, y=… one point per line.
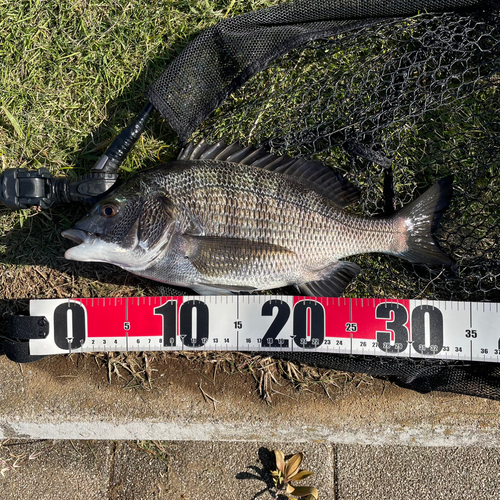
x=35, y=239
x=123, y=110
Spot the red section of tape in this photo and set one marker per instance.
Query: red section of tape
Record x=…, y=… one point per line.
x=105, y=317
x=117, y=317
x=364, y=316
x=337, y=317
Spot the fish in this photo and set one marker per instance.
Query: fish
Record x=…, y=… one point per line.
x=224, y=219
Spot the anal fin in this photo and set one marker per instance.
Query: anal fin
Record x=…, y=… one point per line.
x=334, y=284
x=211, y=289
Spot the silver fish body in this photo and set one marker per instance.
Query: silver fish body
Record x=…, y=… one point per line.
x=218, y=225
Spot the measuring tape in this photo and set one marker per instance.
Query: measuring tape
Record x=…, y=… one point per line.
x=448, y=330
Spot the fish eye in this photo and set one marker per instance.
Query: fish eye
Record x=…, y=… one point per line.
x=109, y=210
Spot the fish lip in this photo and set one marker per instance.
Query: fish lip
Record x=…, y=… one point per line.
x=78, y=236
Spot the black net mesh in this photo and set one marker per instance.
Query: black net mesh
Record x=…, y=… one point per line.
x=225, y=56
x=416, y=102
x=395, y=103
x=422, y=375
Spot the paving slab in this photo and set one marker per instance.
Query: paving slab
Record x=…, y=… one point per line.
x=151, y=471
x=403, y=472
x=65, y=397
x=192, y=470
x=136, y=474
x=241, y=470
x=77, y=470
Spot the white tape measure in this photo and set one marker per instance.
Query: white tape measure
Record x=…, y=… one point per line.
x=449, y=330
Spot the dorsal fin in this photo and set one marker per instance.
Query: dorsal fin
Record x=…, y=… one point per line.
x=313, y=174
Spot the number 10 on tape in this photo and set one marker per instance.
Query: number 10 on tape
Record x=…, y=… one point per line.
x=382, y=327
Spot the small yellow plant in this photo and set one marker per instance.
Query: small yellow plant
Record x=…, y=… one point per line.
x=287, y=471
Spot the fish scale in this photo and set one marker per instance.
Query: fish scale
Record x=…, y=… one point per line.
x=305, y=222
x=218, y=226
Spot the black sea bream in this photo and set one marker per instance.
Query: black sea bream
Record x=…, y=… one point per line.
x=227, y=219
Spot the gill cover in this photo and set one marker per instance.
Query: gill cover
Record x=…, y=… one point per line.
x=121, y=228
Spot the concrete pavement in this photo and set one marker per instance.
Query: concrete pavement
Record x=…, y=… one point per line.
x=370, y=439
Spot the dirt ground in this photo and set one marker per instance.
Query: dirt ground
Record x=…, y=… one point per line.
x=222, y=388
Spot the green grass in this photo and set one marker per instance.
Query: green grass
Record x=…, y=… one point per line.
x=72, y=75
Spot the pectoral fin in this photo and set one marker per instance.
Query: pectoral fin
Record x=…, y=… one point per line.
x=334, y=284
x=220, y=257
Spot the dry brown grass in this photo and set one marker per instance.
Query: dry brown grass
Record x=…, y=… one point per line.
x=137, y=370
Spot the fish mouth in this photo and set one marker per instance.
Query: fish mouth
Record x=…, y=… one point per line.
x=91, y=247
x=78, y=236
x=81, y=251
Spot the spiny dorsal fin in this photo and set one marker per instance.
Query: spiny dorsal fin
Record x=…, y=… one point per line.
x=313, y=174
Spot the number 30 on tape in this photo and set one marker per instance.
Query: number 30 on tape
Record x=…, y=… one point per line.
x=408, y=328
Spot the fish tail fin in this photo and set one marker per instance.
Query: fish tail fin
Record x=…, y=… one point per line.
x=421, y=218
